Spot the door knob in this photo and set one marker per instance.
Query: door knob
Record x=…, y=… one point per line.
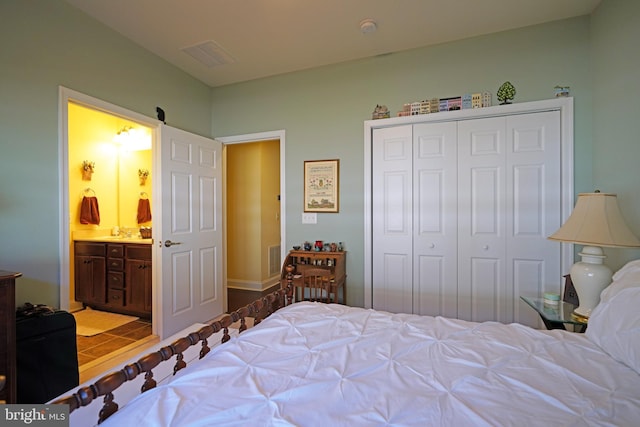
x=169, y=243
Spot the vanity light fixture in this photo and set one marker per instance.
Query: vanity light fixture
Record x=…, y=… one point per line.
x=133, y=139
x=122, y=135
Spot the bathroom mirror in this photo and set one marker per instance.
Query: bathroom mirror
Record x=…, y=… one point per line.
x=115, y=180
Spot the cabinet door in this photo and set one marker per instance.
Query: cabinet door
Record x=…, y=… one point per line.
x=138, y=285
x=90, y=279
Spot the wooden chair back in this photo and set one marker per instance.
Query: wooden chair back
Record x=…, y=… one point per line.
x=316, y=285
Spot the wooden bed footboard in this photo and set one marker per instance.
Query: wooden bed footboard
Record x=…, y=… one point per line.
x=106, y=385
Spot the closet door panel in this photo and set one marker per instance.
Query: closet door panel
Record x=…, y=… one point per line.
x=392, y=219
x=533, y=189
x=435, y=223
x=481, y=219
x=485, y=299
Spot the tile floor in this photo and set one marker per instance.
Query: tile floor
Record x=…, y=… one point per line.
x=92, y=348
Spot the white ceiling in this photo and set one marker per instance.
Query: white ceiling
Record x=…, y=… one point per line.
x=270, y=37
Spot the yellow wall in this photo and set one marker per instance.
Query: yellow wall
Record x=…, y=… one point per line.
x=253, y=222
x=115, y=181
x=270, y=190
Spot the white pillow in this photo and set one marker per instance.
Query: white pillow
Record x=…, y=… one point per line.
x=614, y=324
x=627, y=277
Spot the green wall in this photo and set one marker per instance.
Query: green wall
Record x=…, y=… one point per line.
x=47, y=43
x=615, y=32
x=323, y=110
x=44, y=44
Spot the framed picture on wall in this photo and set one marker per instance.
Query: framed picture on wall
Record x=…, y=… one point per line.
x=321, y=184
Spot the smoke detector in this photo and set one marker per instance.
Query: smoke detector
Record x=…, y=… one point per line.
x=368, y=26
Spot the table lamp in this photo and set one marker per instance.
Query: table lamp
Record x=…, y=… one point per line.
x=596, y=221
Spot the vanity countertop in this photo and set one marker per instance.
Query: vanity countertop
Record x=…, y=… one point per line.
x=114, y=239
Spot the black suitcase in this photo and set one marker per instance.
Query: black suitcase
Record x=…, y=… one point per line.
x=47, y=357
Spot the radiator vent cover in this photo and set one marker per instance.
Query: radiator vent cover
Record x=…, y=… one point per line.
x=274, y=260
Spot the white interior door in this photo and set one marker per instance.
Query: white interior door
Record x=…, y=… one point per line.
x=533, y=175
x=435, y=221
x=515, y=186
x=482, y=209
x=392, y=219
x=189, y=245
x=509, y=202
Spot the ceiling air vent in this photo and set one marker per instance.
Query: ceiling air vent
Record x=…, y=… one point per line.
x=209, y=53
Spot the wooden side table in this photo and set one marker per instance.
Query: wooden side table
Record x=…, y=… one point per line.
x=8, y=335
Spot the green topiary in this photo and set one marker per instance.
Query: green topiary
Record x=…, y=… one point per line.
x=506, y=93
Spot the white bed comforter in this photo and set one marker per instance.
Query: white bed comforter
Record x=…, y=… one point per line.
x=330, y=365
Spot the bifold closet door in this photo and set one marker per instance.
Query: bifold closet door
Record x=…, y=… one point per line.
x=508, y=203
x=461, y=212
x=414, y=219
x=435, y=244
x=392, y=219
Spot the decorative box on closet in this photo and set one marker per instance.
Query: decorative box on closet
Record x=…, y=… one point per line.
x=334, y=262
x=459, y=205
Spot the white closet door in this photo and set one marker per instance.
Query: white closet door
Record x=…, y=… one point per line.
x=509, y=202
x=482, y=210
x=392, y=224
x=435, y=249
x=534, y=192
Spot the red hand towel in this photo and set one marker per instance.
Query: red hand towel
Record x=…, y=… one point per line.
x=89, y=212
x=144, y=211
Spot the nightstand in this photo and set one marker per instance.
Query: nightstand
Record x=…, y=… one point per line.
x=556, y=317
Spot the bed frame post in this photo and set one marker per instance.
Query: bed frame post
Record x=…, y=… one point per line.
x=289, y=286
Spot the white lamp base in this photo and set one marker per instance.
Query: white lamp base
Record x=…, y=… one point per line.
x=590, y=277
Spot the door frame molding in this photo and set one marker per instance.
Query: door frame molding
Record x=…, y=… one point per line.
x=564, y=105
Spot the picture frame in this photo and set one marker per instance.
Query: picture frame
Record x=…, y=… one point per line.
x=321, y=186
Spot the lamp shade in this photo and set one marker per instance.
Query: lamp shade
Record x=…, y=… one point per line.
x=596, y=220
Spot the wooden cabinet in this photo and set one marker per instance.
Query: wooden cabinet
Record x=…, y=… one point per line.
x=90, y=273
x=138, y=277
x=333, y=261
x=114, y=277
x=8, y=392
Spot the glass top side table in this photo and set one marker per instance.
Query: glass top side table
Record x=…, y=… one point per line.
x=555, y=317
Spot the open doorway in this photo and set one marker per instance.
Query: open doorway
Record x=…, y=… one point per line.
x=102, y=170
x=162, y=320
x=110, y=161
x=254, y=215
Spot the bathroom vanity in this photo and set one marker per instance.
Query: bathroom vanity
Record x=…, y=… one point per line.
x=114, y=275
